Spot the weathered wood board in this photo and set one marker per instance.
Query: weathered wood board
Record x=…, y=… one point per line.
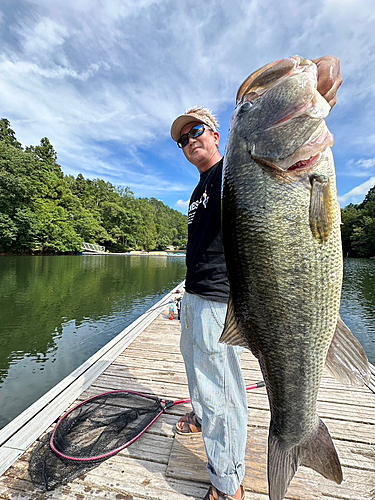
x=188, y=460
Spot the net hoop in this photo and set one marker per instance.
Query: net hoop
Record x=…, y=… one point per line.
x=112, y=452
x=167, y=404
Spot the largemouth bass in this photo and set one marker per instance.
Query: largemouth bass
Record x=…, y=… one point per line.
x=281, y=235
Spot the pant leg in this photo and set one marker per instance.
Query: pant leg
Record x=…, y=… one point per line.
x=187, y=351
x=217, y=390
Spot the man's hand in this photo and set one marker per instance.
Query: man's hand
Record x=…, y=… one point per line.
x=329, y=77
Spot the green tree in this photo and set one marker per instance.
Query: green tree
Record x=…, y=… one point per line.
x=17, y=221
x=358, y=229
x=45, y=152
x=368, y=204
x=145, y=232
x=349, y=218
x=42, y=210
x=56, y=228
x=8, y=232
x=7, y=135
x=171, y=225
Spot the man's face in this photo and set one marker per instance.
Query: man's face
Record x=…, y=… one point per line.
x=202, y=149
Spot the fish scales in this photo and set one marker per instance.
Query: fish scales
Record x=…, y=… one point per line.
x=276, y=279
x=281, y=235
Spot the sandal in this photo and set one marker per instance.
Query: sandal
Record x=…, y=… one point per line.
x=214, y=494
x=188, y=425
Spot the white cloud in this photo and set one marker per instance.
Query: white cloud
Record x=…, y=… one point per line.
x=159, y=57
x=104, y=80
x=357, y=193
x=366, y=163
x=358, y=168
x=42, y=38
x=182, y=204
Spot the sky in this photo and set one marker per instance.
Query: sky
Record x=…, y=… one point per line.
x=104, y=80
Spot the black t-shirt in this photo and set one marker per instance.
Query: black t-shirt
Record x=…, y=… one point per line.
x=206, y=270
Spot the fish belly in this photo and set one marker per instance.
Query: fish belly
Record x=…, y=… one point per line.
x=285, y=289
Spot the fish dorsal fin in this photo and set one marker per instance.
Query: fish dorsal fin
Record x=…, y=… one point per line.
x=321, y=208
x=346, y=360
x=231, y=334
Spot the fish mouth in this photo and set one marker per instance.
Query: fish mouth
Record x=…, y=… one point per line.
x=305, y=164
x=307, y=155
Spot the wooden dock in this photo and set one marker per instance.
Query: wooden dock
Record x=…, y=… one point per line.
x=163, y=466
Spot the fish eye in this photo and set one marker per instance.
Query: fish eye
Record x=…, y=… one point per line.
x=245, y=107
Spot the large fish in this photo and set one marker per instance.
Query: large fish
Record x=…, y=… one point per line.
x=281, y=234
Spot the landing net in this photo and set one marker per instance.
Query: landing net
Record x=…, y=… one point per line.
x=95, y=430
x=91, y=432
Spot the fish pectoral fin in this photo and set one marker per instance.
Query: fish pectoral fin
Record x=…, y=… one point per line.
x=346, y=359
x=322, y=211
x=318, y=453
x=231, y=333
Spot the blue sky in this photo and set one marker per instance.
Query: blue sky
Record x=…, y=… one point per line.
x=104, y=79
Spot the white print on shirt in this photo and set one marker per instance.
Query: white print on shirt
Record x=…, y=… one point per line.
x=194, y=206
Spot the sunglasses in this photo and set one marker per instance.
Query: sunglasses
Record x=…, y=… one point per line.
x=194, y=132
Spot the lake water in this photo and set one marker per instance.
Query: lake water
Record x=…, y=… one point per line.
x=358, y=302
x=55, y=312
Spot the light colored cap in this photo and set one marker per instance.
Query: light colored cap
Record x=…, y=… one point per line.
x=182, y=120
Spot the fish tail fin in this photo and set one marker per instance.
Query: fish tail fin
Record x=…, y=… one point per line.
x=318, y=453
x=282, y=465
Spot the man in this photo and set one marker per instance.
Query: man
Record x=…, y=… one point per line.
x=216, y=384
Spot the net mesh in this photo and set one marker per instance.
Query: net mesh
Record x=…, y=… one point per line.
x=90, y=433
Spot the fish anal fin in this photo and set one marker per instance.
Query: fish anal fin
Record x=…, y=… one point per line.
x=346, y=359
x=231, y=334
x=322, y=214
x=318, y=453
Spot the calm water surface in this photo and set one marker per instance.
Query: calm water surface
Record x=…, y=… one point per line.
x=55, y=312
x=358, y=302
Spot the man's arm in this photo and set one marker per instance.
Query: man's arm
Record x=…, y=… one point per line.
x=329, y=77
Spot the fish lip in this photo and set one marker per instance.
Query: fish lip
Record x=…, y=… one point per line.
x=301, y=166
x=317, y=144
x=251, y=94
x=306, y=156
x=305, y=164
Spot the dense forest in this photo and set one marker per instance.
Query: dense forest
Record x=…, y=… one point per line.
x=44, y=211
x=358, y=227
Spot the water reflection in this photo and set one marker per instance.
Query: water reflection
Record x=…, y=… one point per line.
x=358, y=302
x=57, y=311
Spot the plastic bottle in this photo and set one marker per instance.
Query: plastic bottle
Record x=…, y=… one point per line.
x=171, y=310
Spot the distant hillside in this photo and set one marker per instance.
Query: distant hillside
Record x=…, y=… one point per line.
x=358, y=229
x=44, y=211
